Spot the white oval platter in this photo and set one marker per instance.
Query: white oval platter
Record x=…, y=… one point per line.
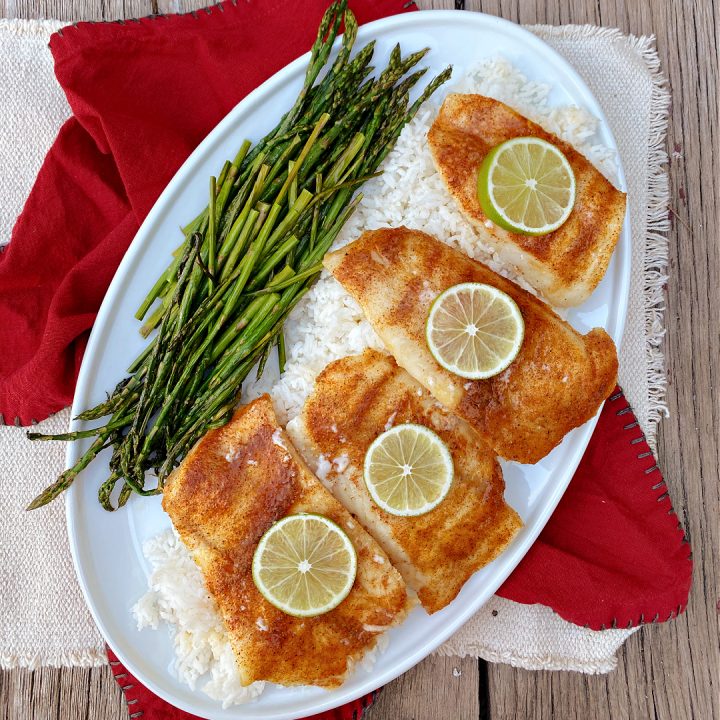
x=107, y=547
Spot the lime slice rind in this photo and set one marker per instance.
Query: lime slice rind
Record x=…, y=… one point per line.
x=477, y=350
x=408, y=470
x=304, y=565
x=523, y=179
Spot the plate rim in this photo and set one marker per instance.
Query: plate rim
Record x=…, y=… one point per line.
x=516, y=552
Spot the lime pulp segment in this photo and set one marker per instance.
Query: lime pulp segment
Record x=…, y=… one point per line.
x=474, y=330
x=526, y=185
x=408, y=470
x=304, y=565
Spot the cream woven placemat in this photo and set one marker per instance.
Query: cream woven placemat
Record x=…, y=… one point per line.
x=44, y=618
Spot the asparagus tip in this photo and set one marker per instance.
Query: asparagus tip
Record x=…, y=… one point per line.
x=45, y=497
x=38, y=502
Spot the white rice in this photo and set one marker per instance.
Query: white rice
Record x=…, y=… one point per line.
x=328, y=324
x=178, y=597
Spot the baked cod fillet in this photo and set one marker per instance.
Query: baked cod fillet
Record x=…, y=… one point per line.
x=565, y=265
x=557, y=381
x=356, y=399
x=233, y=485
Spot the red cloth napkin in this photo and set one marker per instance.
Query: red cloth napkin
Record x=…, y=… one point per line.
x=143, y=95
x=613, y=553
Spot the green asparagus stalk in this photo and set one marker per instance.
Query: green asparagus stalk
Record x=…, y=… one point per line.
x=211, y=238
x=281, y=351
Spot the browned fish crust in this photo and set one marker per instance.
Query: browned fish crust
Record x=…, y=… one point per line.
x=565, y=265
x=233, y=485
x=557, y=381
x=358, y=397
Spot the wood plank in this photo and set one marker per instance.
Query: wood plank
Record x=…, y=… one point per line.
x=176, y=6
x=74, y=695
x=105, y=699
x=19, y=694
x=76, y=10
x=66, y=693
x=436, y=688
x=61, y=694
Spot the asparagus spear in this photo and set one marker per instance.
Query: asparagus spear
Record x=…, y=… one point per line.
x=246, y=261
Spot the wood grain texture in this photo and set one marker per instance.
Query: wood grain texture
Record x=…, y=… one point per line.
x=75, y=10
x=436, y=688
x=665, y=672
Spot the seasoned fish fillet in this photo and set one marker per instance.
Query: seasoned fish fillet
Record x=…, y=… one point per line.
x=565, y=265
x=233, y=485
x=356, y=399
x=557, y=381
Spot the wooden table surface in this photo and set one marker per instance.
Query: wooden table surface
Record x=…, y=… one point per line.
x=665, y=672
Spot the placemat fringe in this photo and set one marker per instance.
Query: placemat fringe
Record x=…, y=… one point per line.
x=79, y=658
x=658, y=227
x=532, y=661
x=30, y=28
x=657, y=216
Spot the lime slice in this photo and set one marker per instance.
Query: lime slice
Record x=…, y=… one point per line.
x=304, y=565
x=526, y=185
x=474, y=330
x=408, y=470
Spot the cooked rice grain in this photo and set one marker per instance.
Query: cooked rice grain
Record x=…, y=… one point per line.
x=178, y=597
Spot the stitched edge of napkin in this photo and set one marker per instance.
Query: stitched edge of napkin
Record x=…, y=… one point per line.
x=656, y=213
